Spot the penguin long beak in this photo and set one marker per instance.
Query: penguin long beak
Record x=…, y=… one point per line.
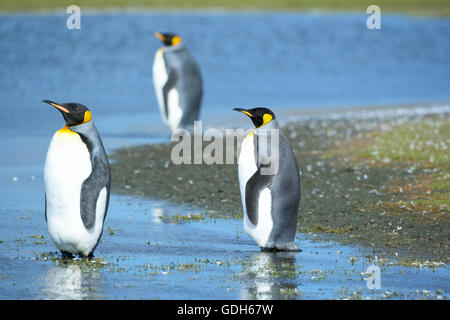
x=57, y=106
x=159, y=36
x=244, y=112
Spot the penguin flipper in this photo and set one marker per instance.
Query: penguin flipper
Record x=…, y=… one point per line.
x=45, y=212
x=90, y=192
x=257, y=183
x=99, y=179
x=172, y=79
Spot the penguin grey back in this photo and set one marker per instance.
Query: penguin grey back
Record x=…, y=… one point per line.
x=100, y=176
x=283, y=181
x=184, y=75
x=286, y=191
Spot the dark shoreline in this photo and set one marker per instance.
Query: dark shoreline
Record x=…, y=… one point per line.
x=343, y=198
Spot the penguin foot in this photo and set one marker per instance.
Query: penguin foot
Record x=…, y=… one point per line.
x=66, y=255
x=289, y=246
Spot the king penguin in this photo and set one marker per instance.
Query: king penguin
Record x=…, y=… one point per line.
x=77, y=182
x=177, y=81
x=269, y=181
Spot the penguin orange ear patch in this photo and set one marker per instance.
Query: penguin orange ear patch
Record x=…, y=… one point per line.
x=87, y=116
x=267, y=118
x=176, y=40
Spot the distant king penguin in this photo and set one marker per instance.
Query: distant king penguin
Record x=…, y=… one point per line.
x=77, y=182
x=269, y=185
x=177, y=81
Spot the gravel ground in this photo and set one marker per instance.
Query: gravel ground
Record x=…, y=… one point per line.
x=348, y=192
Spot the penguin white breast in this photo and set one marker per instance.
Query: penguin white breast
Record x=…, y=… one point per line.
x=247, y=165
x=160, y=78
x=67, y=165
x=247, y=168
x=175, y=112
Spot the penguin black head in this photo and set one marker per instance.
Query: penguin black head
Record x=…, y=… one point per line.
x=169, y=39
x=73, y=113
x=259, y=116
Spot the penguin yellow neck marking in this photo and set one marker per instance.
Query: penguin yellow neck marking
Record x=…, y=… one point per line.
x=266, y=119
x=65, y=130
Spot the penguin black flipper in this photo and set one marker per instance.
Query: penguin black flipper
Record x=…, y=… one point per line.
x=257, y=183
x=45, y=208
x=191, y=92
x=90, y=191
x=172, y=79
x=99, y=178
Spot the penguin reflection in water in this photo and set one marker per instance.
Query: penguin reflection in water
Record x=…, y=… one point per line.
x=178, y=83
x=269, y=183
x=77, y=183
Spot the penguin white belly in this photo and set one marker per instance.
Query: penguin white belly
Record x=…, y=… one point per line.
x=247, y=168
x=175, y=112
x=67, y=165
x=261, y=232
x=159, y=80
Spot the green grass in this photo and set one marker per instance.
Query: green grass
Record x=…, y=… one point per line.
x=420, y=146
x=422, y=7
x=426, y=144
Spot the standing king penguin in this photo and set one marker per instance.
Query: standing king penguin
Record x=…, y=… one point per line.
x=77, y=183
x=270, y=196
x=177, y=81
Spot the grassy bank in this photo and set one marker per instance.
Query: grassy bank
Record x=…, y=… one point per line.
x=383, y=184
x=421, y=7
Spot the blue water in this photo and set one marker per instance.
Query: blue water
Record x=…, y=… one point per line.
x=282, y=60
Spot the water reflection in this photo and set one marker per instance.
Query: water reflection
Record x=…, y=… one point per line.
x=70, y=282
x=158, y=214
x=270, y=275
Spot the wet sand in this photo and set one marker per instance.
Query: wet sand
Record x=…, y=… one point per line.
x=339, y=196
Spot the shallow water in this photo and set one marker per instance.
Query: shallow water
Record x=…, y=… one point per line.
x=151, y=252
x=294, y=61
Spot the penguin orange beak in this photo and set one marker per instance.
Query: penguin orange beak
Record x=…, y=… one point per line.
x=159, y=36
x=244, y=112
x=57, y=106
